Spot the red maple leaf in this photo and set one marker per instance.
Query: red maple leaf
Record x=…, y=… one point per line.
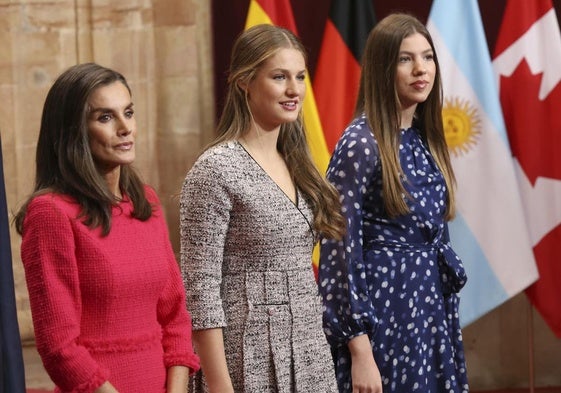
x=533, y=126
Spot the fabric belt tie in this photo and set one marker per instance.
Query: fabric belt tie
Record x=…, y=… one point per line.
x=452, y=273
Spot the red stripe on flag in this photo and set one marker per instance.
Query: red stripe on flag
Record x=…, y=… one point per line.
x=335, y=84
x=545, y=293
x=280, y=12
x=526, y=12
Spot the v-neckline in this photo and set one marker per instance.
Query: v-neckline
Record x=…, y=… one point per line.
x=295, y=202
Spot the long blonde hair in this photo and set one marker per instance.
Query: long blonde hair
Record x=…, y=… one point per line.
x=378, y=99
x=251, y=49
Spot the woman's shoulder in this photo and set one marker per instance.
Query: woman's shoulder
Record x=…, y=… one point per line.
x=221, y=152
x=358, y=134
x=359, y=128
x=50, y=207
x=52, y=200
x=217, y=159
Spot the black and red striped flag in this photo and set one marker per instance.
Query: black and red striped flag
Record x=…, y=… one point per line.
x=337, y=73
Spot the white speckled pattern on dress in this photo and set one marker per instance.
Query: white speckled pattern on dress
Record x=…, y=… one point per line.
x=393, y=279
x=246, y=262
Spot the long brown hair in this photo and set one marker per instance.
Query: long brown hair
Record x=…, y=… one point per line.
x=379, y=100
x=64, y=161
x=252, y=48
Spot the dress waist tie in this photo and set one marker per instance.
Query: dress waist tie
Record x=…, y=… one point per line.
x=452, y=273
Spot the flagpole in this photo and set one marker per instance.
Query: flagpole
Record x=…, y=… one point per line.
x=530, y=330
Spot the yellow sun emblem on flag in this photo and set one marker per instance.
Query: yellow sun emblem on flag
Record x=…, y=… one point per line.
x=462, y=125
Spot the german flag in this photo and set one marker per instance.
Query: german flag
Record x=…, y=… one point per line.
x=279, y=13
x=337, y=73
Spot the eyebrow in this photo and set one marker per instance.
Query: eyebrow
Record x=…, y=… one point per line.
x=104, y=110
x=412, y=53
x=286, y=70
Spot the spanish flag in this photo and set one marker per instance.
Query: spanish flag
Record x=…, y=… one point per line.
x=279, y=13
x=337, y=74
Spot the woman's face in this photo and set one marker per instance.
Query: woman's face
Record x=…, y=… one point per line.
x=416, y=70
x=276, y=93
x=111, y=126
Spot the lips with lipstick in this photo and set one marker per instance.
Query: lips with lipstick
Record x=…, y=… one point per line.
x=420, y=85
x=126, y=146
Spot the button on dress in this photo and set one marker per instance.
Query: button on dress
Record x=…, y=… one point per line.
x=395, y=279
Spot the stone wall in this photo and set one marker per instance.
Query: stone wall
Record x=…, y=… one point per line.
x=163, y=49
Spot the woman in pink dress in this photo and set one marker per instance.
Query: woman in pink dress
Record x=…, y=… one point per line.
x=106, y=294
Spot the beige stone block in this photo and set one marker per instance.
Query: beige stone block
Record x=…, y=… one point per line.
x=71, y=50
x=25, y=3
x=24, y=173
x=28, y=115
x=179, y=110
x=128, y=51
x=146, y=157
x=10, y=16
x=7, y=117
x=48, y=16
x=173, y=12
x=84, y=47
x=121, y=14
x=178, y=46
x=36, y=48
x=6, y=59
x=36, y=80
x=8, y=135
x=176, y=154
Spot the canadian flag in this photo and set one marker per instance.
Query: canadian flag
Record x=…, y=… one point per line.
x=527, y=61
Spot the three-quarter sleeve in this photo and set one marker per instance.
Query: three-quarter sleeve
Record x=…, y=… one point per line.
x=348, y=310
x=172, y=314
x=53, y=283
x=205, y=206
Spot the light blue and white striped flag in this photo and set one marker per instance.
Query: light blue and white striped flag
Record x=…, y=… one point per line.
x=490, y=233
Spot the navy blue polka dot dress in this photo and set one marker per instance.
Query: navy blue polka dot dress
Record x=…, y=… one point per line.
x=395, y=279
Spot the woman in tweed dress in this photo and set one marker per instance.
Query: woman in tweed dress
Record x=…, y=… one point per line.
x=106, y=294
x=252, y=207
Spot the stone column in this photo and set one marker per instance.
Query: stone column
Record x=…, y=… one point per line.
x=163, y=49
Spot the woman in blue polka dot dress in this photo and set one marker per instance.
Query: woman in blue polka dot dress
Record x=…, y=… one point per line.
x=390, y=287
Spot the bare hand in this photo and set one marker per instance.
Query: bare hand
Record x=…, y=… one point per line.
x=364, y=371
x=366, y=376
x=106, y=388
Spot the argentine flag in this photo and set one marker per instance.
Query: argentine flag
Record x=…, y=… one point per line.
x=489, y=233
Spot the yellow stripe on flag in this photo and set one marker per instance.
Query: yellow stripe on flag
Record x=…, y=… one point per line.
x=256, y=15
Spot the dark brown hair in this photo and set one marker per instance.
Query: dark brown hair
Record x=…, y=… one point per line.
x=64, y=162
x=379, y=100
